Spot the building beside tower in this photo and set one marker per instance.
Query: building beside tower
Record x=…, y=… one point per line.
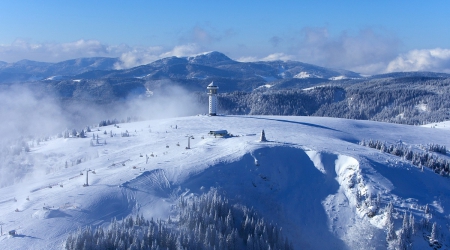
x=212, y=93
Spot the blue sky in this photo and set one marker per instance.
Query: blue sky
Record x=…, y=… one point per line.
x=365, y=36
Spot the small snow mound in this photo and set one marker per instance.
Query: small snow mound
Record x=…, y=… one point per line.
x=47, y=213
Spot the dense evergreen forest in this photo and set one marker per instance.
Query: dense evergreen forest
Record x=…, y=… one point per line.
x=208, y=221
x=408, y=100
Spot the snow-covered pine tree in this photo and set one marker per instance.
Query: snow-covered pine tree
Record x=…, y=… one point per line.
x=390, y=234
x=433, y=235
x=412, y=224
x=406, y=226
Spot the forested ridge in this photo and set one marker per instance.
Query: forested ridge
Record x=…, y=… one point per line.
x=208, y=221
x=408, y=100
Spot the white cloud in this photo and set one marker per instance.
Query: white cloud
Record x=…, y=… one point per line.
x=183, y=50
x=272, y=57
x=53, y=52
x=56, y=52
x=436, y=60
x=28, y=114
x=278, y=57
x=247, y=59
x=366, y=51
x=138, y=56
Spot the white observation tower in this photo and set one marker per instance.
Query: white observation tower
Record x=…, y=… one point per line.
x=212, y=92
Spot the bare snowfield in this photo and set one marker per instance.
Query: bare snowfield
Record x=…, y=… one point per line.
x=311, y=178
x=441, y=125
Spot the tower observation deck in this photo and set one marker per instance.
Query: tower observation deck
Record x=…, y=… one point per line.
x=212, y=93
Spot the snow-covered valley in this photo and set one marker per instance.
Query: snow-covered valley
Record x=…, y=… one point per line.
x=311, y=178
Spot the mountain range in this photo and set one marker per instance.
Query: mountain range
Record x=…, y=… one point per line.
x=263, y=88
x=315, y=183
x=201, y=67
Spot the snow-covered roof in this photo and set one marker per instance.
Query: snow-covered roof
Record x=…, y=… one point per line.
x=211, y=85
x=218, y=132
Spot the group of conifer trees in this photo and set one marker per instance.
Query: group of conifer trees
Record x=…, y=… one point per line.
x=208, y=221
x=419, y=159
x=410, y=100
x=403, y=238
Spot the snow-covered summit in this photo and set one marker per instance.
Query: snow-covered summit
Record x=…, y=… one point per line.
x=311, y=177
x=210, y=58
x=304, y=74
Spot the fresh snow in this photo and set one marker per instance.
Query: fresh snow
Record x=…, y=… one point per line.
x=308, y=178
x=314, y=87
x=304, y=74
x=53, y=78
x=335, y=78
x=265, y=86
x=441, y=125
x=200, y=54
x=422, y=107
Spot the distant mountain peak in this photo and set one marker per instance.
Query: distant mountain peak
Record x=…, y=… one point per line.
x=209, y=58
x=31, y=63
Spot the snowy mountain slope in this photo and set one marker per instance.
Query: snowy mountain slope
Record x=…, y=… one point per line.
x=311, y=178
x=202, y=68
x=27, y=70
x=441, y=125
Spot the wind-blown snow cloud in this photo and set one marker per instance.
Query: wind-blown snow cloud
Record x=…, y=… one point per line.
x=29, y=116
x=25, y=113
x=182, y=50
x=437, y=60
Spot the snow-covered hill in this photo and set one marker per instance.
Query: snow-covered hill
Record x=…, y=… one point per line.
x=441, y=125
x=312, y=178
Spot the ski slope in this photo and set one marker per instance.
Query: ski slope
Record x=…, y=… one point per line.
x=311, y=178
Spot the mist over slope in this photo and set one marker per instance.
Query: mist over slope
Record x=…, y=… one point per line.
x=311, y=178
